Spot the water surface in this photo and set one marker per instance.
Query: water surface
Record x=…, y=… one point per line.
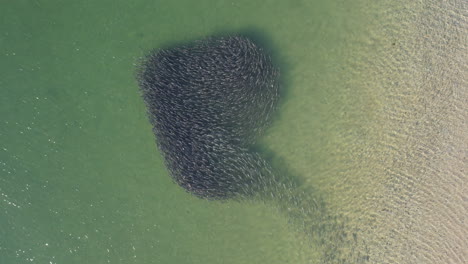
x=372, y=122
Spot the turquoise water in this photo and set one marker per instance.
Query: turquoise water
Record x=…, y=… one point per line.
x=81, y=179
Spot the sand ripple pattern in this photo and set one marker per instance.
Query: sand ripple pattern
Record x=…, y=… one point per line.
x=422, y=78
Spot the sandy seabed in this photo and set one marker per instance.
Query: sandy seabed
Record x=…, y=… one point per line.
x=421, y=206
x=394, y=158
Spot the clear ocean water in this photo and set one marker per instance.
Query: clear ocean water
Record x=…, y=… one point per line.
x=372, y=121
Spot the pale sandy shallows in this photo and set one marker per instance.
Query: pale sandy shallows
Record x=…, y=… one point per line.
x=422, y=212
x=394, y=158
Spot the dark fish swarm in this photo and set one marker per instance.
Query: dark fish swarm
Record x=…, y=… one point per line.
x=208, y=102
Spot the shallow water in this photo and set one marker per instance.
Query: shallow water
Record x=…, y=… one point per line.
x=372, y=122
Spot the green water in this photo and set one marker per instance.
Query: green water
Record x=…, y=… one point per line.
x=81, y=180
